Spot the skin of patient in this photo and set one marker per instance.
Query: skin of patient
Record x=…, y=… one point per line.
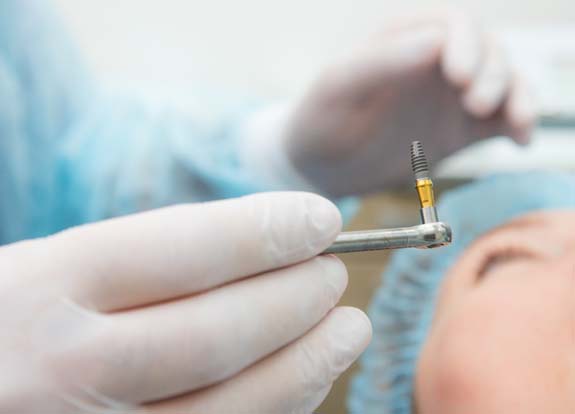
x=503, y=335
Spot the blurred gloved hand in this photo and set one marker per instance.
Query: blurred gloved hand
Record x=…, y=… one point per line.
x=161, y=312
x=435, y=78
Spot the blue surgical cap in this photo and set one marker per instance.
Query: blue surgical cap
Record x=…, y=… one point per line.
x=402, y=308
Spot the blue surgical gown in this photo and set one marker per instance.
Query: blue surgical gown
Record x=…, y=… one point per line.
x=71, y=154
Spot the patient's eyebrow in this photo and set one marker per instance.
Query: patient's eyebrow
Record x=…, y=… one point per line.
x=528, y=222
x=521, y=223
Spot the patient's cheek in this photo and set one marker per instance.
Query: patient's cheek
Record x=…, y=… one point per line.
x=475, y=363
x=449, y=376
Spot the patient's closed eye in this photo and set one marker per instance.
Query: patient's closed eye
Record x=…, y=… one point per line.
x=507, y=251
x=498, y=259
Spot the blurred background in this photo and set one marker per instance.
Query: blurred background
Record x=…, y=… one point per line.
x=272, y=49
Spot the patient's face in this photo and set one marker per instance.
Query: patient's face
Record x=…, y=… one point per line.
x=503, y=337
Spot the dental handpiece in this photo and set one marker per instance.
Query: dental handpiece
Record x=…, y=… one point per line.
x=430, y=234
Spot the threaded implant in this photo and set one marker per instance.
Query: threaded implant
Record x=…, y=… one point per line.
x=418, y=161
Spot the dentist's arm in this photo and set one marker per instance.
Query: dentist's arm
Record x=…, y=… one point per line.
x=71, y=152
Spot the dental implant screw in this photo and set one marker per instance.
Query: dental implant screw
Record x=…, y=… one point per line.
x=418, y=161
x=423, y=184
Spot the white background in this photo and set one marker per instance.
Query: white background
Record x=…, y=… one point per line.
x=274, y=48
x=269, y=47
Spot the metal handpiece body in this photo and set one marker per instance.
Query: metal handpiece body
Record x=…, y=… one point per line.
x=423, y=236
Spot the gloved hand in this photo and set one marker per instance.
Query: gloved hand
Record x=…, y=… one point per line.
x=209, y=308
x=435, y=78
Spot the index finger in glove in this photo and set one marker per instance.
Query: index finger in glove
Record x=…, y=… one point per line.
x=177, y=251
x=464, y=48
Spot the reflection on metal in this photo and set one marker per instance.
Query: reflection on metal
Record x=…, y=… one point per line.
x=424, y=236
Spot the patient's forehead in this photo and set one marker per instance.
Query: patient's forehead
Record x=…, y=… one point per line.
x=555, y=220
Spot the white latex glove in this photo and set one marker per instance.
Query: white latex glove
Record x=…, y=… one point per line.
x=435, y=78
x=210, y=308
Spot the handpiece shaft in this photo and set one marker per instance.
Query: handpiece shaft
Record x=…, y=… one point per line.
x=422, y=236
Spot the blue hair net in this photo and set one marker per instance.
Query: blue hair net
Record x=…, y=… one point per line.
x=402, y=309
